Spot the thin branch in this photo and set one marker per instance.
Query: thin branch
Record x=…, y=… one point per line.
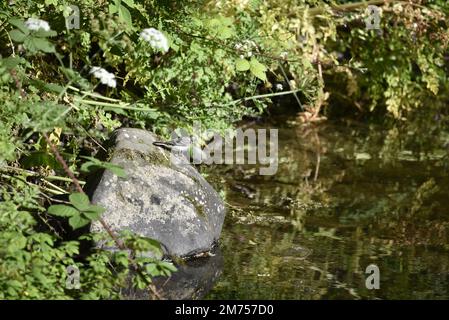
x=75, y=181
x=288, y=82
x=260, y=96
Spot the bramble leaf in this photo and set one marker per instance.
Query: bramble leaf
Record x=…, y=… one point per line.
x=62, y=210
x=80, y=201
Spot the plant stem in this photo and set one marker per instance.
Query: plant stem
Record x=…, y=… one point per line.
x=75, y=181
x=93, y=94
x=260, y=96
x=35, y=174
x=110, y=105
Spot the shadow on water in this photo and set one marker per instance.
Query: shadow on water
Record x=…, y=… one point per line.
x=345, y=196
x=193, y=280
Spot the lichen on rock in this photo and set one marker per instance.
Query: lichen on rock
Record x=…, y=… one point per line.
x=174, y=205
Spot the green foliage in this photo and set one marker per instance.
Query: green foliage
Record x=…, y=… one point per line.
x=400, y=68
x=34, y=41
x=80, y=213
x=95, y=164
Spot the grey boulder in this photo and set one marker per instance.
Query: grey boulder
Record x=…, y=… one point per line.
x=161, y=197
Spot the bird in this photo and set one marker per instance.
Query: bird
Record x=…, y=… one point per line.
x=185, y=146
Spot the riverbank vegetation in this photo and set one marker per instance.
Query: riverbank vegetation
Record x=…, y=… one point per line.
x=162, y=65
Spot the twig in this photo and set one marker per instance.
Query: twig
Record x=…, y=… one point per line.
x=111, y=233
x=75, y=181
x=77, y=184
x=288, y=82
x=260, y=96
x=154, y=291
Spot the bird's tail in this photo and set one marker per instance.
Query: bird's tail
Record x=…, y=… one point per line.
x=166, y=145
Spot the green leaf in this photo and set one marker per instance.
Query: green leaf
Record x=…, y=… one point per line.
x=80, y=201
x=62, y=210
x=225, y=33
x=152, y=270
x=89, y=167
x=19, y=24
x=17, y=35
x=125, y=15
x=95, y=164
x=91, y=159
x=43, y=45
x=115, y=169
x=168, y=265
x=77, y=221
x=97, y=209
x=91, y=215
x=48, y=87
x=44, y=34
x=39, y=158
x=94, y=212
x=242, y=65
x=75, y=77
x=121, y=258
x=258, y=69
x=11, y=62
x=39, y=44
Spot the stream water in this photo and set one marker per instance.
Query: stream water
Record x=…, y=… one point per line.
x=346, y=195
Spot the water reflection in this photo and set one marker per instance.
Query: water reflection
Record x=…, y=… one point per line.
x=193, y=280
x=344, y=196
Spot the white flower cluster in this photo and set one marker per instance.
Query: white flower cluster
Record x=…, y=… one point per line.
x=156, y=39
x=246, y=48
x=37, y=24
x=279, y=87
x=104, y=76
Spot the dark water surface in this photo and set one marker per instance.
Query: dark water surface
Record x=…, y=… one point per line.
x=345, y=196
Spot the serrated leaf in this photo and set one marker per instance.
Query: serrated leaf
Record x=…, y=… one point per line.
x=62, y=210
x=19, y=24
x=168, y=265
x=77, y=221
x=151, y=269
x=242, y=65
x=97, y=209
x=258, y=69
x=80, y=201
x=10, y=62
x=43, y=45
x=17, y=35
x=44, y=34
x=92, y=215
x=39, y=44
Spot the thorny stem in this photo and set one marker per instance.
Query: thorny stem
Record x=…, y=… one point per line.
x=67, y=170
x=77, y=184
x=260, y=96
x=80, y=189
x=111, y=233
